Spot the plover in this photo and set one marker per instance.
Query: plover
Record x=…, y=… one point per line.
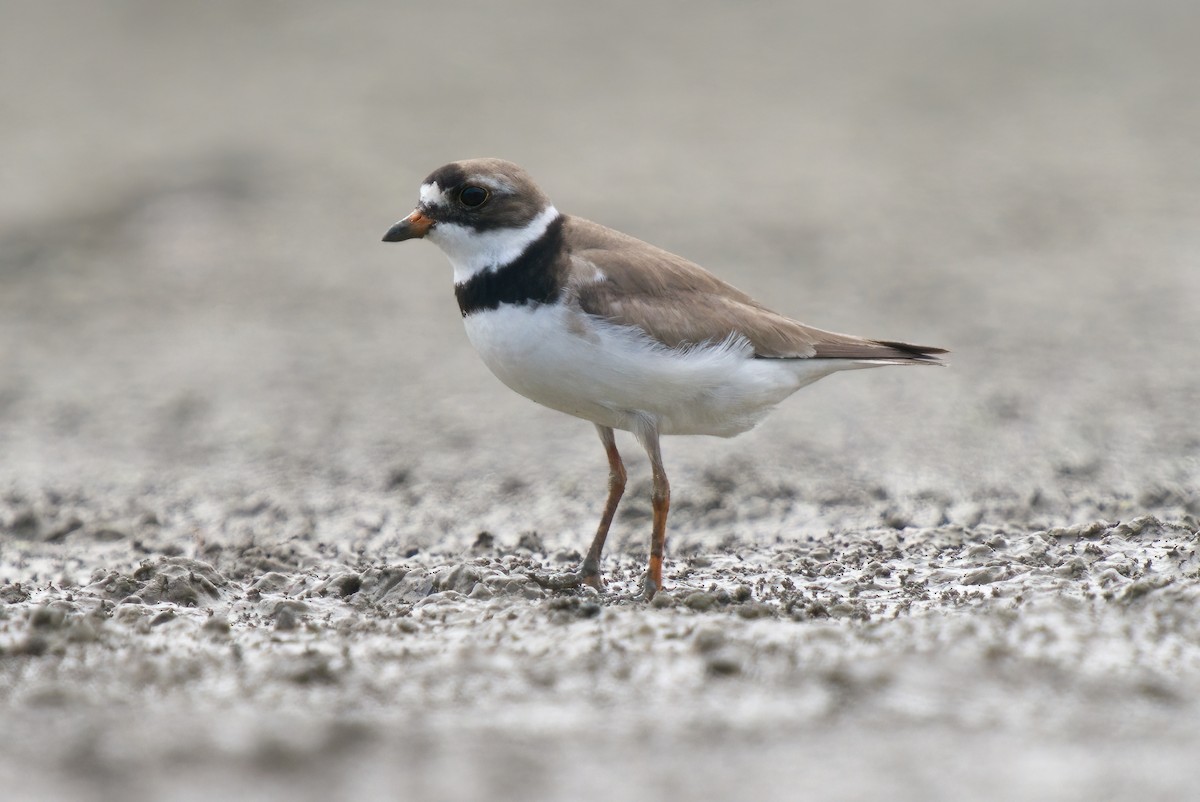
x=592, y=322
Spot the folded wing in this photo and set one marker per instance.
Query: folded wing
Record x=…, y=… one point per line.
x=678, y=303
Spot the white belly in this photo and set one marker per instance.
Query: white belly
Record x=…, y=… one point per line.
x=611, y=375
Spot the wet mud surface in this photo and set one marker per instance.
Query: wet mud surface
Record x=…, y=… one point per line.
x=269, y=530
x=160, y=652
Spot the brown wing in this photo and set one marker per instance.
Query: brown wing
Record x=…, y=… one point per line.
x=679, y=303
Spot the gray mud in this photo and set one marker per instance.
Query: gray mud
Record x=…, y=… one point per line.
x=269, y=530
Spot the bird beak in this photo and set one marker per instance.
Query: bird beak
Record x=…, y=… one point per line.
x=415, y=226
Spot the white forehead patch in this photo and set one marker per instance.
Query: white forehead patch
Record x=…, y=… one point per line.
x=432, y=195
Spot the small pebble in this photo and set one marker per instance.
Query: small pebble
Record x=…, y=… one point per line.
x=700, y=601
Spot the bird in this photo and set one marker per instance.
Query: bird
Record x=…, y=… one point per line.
x=588, y=321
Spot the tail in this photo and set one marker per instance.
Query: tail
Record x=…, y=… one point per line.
x=907, y=354
x=880, y=352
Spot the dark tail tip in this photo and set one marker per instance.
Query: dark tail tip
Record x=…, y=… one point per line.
x=917, y=353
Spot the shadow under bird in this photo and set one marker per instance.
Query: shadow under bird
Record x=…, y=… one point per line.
x=592, y=322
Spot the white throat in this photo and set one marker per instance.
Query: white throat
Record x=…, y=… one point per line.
x=471, y=251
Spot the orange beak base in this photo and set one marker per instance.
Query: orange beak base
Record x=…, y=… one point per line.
x=415, y=226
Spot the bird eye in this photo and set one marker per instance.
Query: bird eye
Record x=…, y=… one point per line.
x=472, y=196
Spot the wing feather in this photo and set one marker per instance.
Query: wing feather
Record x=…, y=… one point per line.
x=679, y=304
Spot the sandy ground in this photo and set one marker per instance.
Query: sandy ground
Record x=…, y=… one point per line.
x=269, y=530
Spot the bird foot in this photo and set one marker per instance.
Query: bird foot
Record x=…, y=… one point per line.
x=592, y=580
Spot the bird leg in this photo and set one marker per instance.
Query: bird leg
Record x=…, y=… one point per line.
x=647, y=435
x=589, y=572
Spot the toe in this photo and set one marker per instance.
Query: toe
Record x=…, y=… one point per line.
x=591, y=580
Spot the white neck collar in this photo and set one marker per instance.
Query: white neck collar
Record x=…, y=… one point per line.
x=471, y=251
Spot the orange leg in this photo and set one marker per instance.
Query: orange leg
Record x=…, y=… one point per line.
x=648, y=436
x=589, y=572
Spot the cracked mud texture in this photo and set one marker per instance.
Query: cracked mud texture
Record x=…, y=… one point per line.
x=269, y=530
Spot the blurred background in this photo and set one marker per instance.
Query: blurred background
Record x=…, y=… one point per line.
x=192, y=283
x=206, y=352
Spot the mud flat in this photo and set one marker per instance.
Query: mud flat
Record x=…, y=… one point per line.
x=931, y=661
x=269, y=530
